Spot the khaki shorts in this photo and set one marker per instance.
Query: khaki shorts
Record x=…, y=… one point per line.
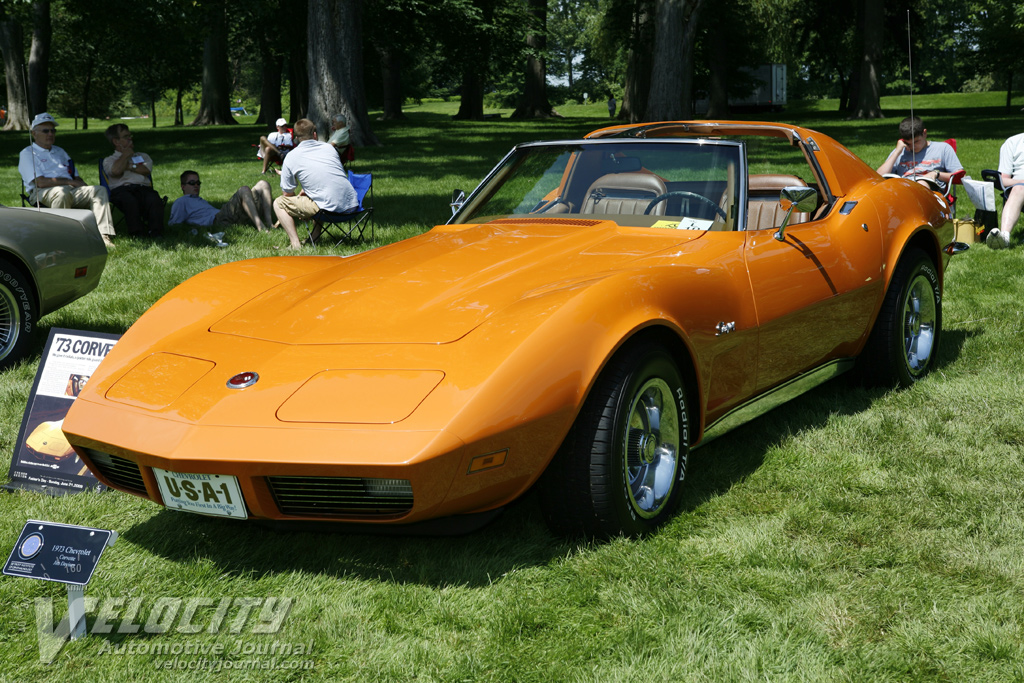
x=299, y=206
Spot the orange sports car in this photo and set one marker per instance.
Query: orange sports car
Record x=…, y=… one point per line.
x=593, y=311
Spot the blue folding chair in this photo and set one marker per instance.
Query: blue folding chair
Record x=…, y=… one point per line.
x=350, y=226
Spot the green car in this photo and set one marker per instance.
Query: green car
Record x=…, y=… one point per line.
x=48, y=258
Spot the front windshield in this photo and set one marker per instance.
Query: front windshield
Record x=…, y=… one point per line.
x=684, y=184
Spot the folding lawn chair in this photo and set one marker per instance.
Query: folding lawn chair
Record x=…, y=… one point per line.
x=119, y=219
x=954, y=180
x=25, y=201
x=348, y=226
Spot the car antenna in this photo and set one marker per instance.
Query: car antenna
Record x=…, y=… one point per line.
x=910, y=70
x=31, y=147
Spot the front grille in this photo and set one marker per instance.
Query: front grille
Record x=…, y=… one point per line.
x=341, y=496
x=123, y=473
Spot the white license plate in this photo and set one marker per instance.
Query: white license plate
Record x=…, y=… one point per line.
x=206, y=494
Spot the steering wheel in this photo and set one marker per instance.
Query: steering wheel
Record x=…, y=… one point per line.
x=684, y=193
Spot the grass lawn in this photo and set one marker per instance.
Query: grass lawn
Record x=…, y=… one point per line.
x=852, y=535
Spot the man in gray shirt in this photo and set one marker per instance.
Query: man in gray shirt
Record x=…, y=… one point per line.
x=918, y=159
x=316, y=167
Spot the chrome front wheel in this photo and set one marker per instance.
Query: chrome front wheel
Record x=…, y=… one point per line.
x=621, y=468
x=652, y=445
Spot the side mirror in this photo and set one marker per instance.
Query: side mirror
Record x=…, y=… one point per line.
x=802, y=199
x=458, y=199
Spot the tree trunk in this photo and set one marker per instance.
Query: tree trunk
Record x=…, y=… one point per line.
x=844, y=89
x=853, y=93
x=215, y=102
x=471, y=101
x=39, y=57
x=1009, y=87
x=336, y=68
x=152, y=111
x=270, y=85
x=391, y=75
x=535, y=103
x=869, y=97
x=673, y=56
x=689, y=44
x=638, y=65
x=298, y=84
x=718, y=67
x=13, y=46
x=86, y=87
x=179, y=110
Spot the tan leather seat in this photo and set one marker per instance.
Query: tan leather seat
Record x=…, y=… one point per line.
x=625, y=193
x=764, y=190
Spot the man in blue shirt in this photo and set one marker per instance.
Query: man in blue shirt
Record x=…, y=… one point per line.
x=246, y=206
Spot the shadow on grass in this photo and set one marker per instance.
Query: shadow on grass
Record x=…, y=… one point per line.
x=952, y=345
x=518, y=538
x=718, y=466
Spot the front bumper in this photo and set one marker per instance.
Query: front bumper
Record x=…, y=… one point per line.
x=296, y=472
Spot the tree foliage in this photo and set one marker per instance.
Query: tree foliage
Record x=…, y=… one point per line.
x=493, y=53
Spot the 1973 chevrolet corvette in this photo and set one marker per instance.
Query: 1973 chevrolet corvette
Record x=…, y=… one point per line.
x=593, y=311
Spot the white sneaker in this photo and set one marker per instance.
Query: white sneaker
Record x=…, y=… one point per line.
x=216, y=240
x=997, y=240
x=108, y=242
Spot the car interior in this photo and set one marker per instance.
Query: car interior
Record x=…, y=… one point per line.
x=655, y=184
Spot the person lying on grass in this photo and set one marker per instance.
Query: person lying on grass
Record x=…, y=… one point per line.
x=246, y=207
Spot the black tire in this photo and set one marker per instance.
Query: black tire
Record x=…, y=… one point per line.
x=620, y=469
x=19, y=314
x=904, y=343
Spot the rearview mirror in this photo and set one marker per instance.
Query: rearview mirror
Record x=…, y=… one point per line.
x=802, y=199
x=458, y=199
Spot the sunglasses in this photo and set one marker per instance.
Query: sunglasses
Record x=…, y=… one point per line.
x=46, y=131
x=194, y=182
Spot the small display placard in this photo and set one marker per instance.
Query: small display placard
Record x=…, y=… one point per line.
x=57, y=552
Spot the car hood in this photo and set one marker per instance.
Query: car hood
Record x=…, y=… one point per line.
x=437, y=287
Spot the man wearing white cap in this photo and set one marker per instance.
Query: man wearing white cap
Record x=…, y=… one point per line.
x=275, y=146
x=341, y=138
x=50, y=179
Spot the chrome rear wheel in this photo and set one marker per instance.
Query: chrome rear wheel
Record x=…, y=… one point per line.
x=904, y=342
x=920, y=325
